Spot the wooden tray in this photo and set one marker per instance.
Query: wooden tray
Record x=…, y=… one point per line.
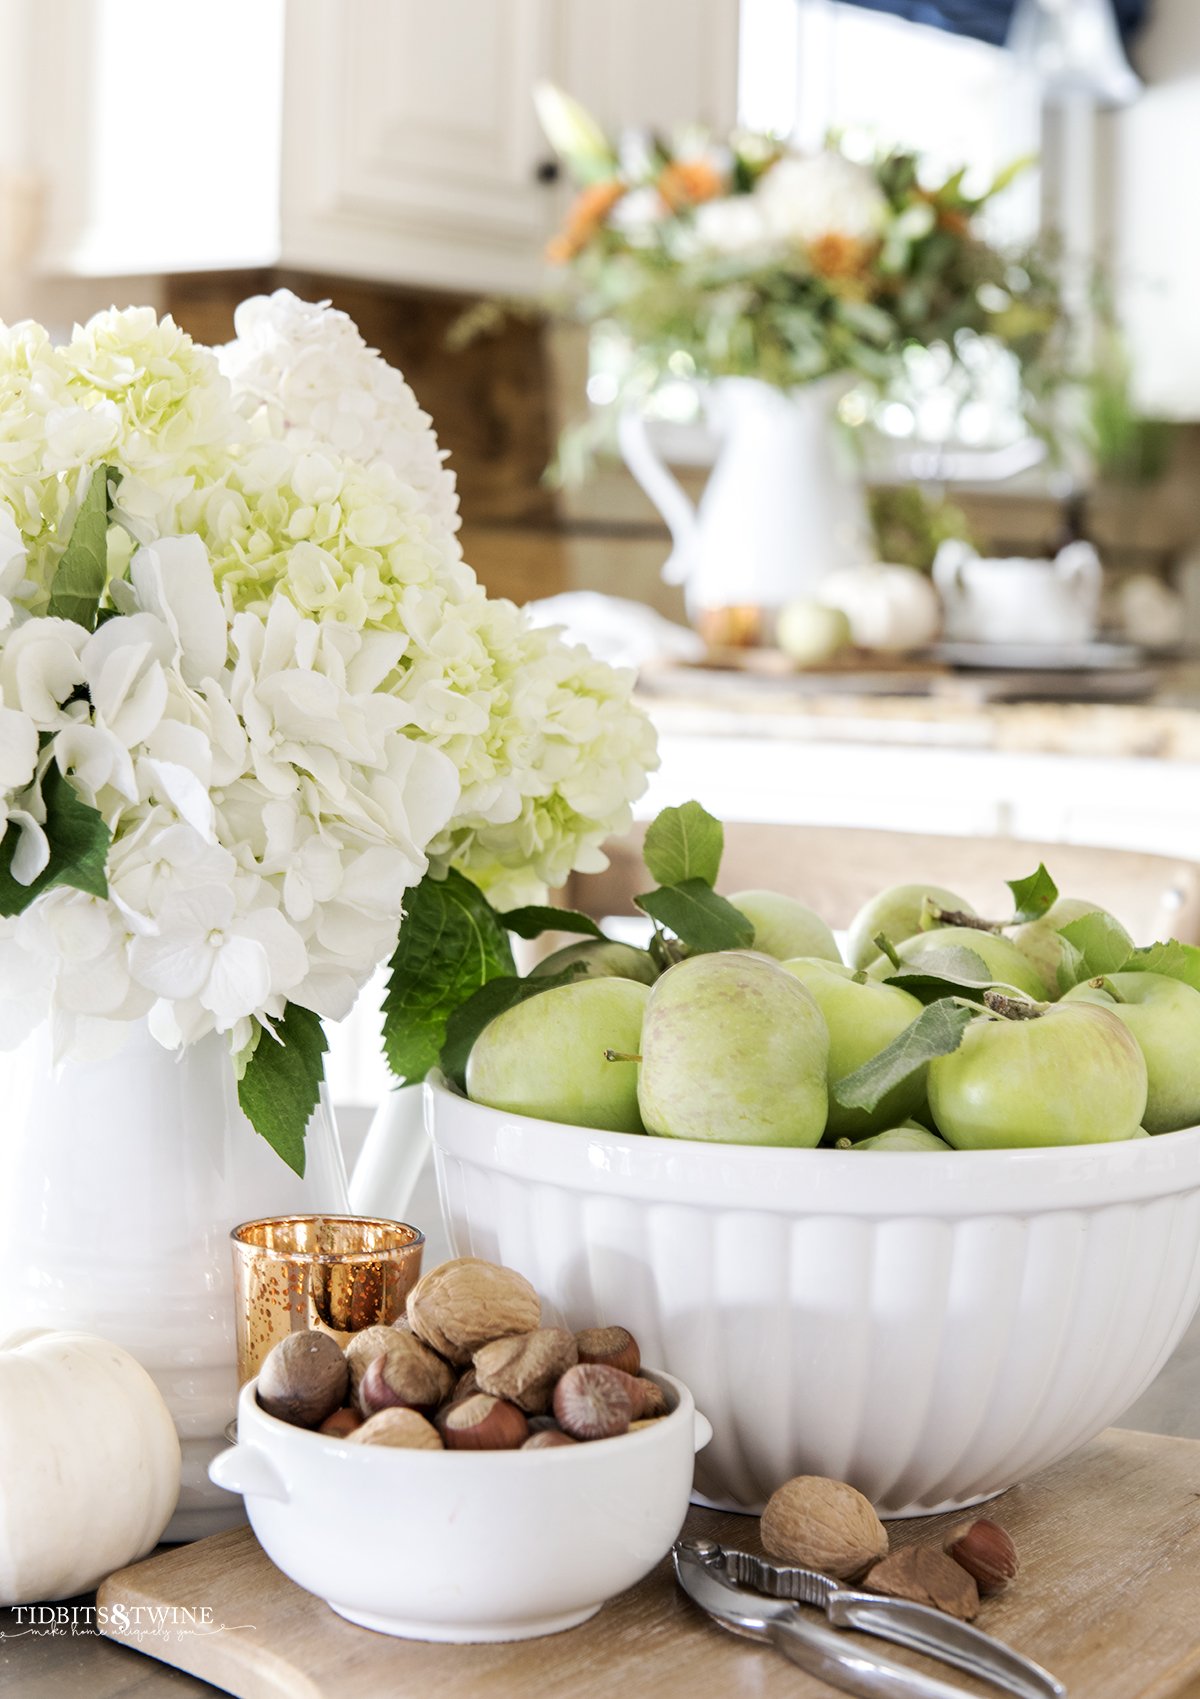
x=1108, y=1599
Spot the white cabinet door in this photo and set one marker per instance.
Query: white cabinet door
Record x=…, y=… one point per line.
x=411, y=148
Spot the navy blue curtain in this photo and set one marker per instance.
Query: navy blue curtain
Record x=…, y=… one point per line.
x=987, y=20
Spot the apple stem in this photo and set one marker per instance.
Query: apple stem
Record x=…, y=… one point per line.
x=862, y=977
x=1013, y=1008
x=956, y=917
x=620, y=1056
x=1103, y=983
x=886, y=948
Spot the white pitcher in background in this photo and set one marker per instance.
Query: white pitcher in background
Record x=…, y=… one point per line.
x=784, y=504
x=1019, y=600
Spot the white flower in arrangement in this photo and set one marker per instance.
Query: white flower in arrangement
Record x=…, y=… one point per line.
x=250, y=693
x=735, y=224
x=802, y=199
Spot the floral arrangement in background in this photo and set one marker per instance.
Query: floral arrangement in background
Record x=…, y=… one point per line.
x=253, y=702
x=745, y=258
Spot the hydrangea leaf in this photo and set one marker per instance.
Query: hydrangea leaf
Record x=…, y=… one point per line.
x=536, y=918
x=684, y=843
x=79, y=842
x=281, y=1082
x=469, y=1019
x=937, y=1031
x=82, y=573
x=1032, y=896
x=697, y=916
x=451, y=943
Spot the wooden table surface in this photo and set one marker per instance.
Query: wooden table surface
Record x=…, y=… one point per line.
x=1108, y=1598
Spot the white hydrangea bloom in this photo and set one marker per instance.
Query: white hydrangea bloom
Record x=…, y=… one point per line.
x=303, y=373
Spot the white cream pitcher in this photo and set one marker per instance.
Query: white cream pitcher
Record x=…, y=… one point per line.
x=784, y=504
x=1019, y=600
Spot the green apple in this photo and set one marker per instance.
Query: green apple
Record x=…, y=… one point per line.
x=1164, y=1016
x=1004, y=962
x=545, y=1057
x=1040, y=941
x=602, y=958
x=784, y=928
x=896, y=912
x=903, y=1138
x=810, y=633
x=734, y=1049
x=1073, y=1075
x=863, y=1018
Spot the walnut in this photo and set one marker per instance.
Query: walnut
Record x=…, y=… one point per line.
x=464, y=1304
x=825, y=1525
x=526, y=1368
x=928, y=1577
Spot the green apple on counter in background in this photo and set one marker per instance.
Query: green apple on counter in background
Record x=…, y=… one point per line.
x=734, y=1049
x=1164, y=1017
x=862, y=1016
x=897, y=912
x=546, y=1057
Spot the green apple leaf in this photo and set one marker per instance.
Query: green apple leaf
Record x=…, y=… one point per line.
x=451, y=942
x=82, y=573
x=1072, y=969
x=469, y=1019
x=1175, y=960
x=684, y=843
x=936, y=1031
x=956, y=971
x=1032, y=896
x=698, y=916
x=536, y=918
x=281, y=1081
x=79, y=842
x=1101, y=941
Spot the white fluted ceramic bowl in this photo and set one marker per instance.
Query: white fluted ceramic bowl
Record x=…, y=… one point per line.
x=933, y=1328
x=464, y=1545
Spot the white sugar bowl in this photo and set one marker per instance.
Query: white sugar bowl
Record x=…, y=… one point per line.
x=464, y=1545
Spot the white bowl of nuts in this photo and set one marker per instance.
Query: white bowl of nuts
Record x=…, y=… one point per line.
x=931, y=1327
x=391, y=1483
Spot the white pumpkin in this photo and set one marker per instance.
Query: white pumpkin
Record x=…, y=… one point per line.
x=89, y=1463
x=889, y=607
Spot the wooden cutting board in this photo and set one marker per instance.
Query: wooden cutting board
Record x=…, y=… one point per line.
x=1108, y=1599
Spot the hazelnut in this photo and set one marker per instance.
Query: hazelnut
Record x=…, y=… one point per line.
x=614, y=1346
x=341, y=1424
x=462, y=1305
x=649, y=1399
x=404, y=1372
x=823, y=1524
x=592, y=1401
x=362, y=1348
x=465, y=1386
x=985, y=1551
x=483, y=1423
x=547, y=1439
x=543, y=1424
x=526, y=1368
x=304, y=1378
x=404, y=1429
x=928, y=1577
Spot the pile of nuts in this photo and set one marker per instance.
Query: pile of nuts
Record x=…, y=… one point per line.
x=828, y=1525
x=469, y=1368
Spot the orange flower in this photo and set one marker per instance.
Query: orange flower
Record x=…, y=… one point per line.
x=957, y=223
x=687, y=182
x=588, y=212
x=839, y=258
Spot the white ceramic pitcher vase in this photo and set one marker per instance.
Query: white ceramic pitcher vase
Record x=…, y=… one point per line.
x=784, y=504
x=121, y=1181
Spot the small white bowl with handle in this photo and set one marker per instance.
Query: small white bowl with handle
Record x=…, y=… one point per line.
x=464, y=1545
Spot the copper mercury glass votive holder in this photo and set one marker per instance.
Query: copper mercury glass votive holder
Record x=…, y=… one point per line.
x=338, y=1273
